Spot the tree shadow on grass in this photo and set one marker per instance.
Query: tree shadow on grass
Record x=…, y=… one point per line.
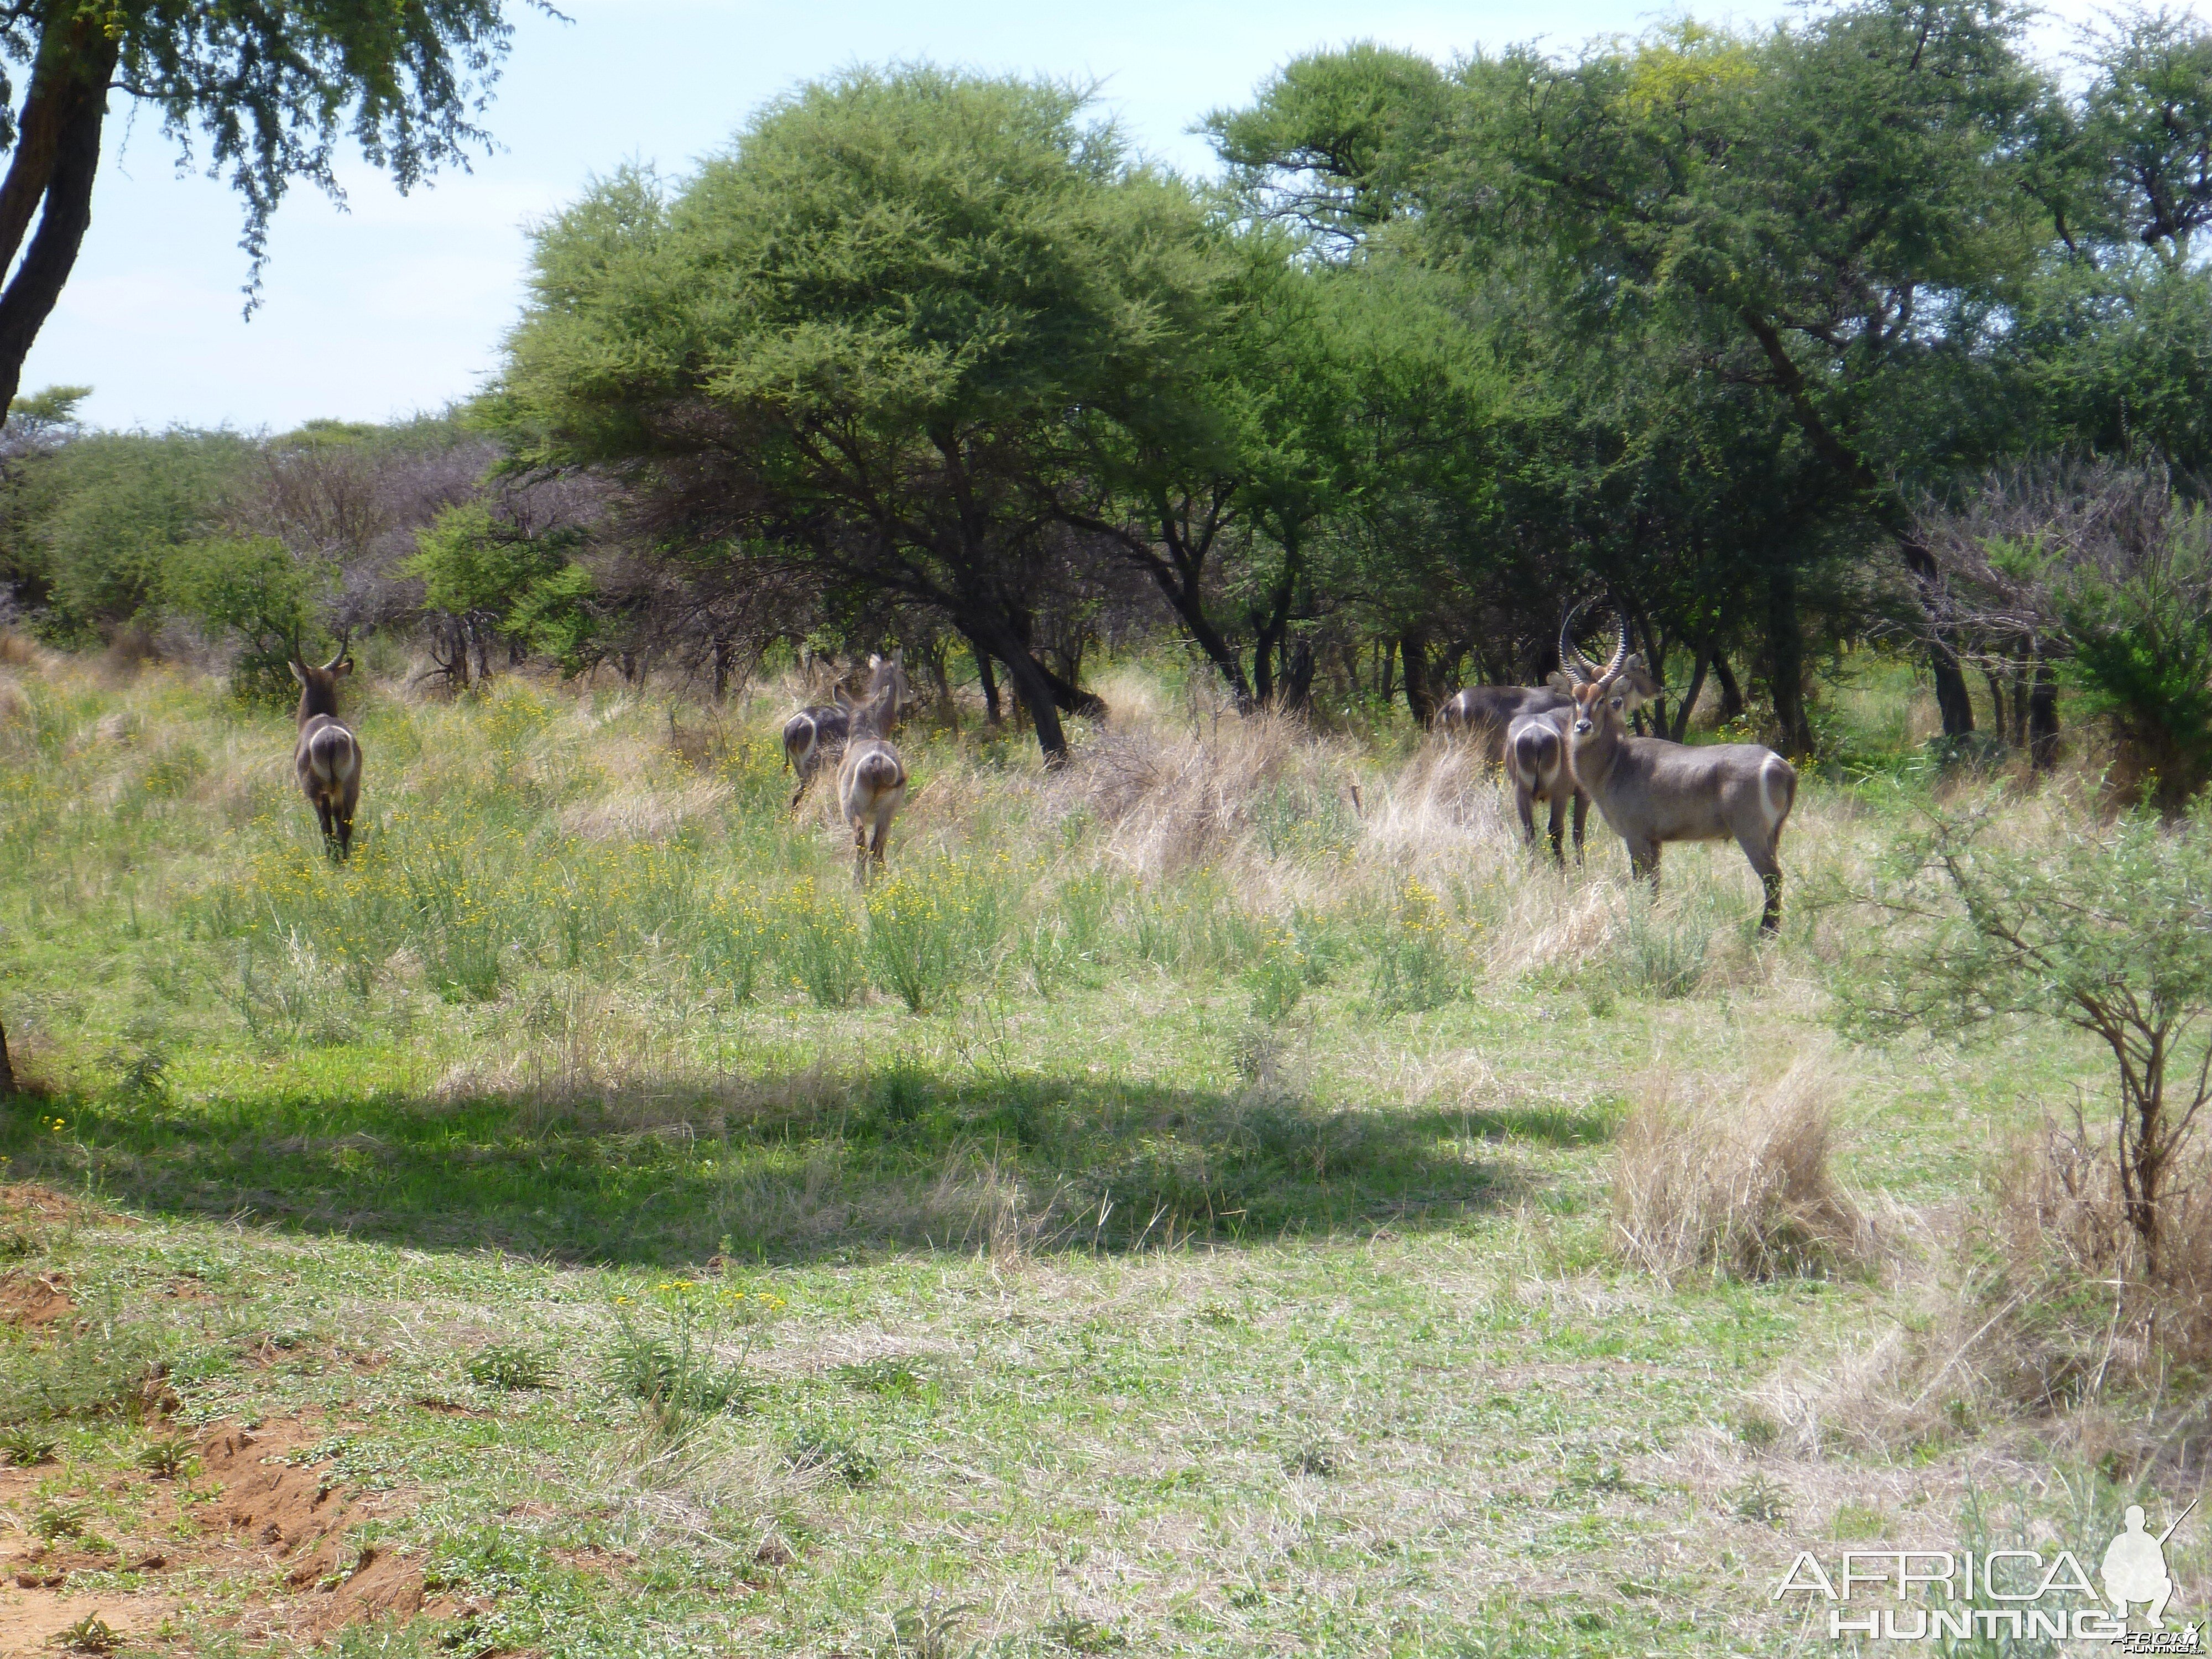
x=798, y=1168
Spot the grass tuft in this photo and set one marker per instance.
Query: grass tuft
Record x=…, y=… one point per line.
x=1739, y=1185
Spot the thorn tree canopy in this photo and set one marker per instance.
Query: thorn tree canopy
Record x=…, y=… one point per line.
x=868, y=345
x=272, y=88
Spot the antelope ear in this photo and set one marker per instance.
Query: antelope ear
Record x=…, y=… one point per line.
x=898, y=658
x=341, y=667
x=1559, y=680
x=298, y=673
x=874, y=661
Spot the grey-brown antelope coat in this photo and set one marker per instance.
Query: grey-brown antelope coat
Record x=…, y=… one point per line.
x=1537, y=765
x=871, y=781
x=327, y=756
x=818, y=731
x=1652, y=791
x=1486, y=715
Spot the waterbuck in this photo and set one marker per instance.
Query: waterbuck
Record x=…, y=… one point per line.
x=811, y=735
x=327, y=757
x=1485, y=714
x=871, y=781
x=1652, y=791
x=1537, y=763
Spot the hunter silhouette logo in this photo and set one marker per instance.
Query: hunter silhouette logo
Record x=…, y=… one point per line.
x=1936, y=1596
x=2134, y=1569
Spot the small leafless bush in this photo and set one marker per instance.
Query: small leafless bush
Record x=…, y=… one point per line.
x=1737, y=1184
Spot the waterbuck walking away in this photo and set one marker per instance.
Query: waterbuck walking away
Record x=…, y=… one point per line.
x=871, y=782
x=1536, y=762
x=327, y=756
x=1652, y=791
x=811, y=735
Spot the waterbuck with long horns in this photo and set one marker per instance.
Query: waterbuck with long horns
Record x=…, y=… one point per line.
x=1486, y=714
x=327, y=756
x=1537, y=765
x=814, y=732
x=1652, y=791
x=871, y=781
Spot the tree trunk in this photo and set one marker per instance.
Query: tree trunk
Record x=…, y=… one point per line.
x=1731, y=692
x=1298, y=678
x=990, y=685
x=721, y=668
x=1073, y=699
x=1951, y=696
x=1034, y=688
x=56, y=156
x=1786, y=648
x=2042, y=718
x=1180, y=578
x=1996, y=702
x=1420, y=695
x=1952, y=701
x=1690, y=697
x=7, y=1071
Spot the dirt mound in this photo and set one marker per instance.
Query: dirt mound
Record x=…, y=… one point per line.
x=27, y=1200
x=282, y=1504
x=283, y=1500
x=28, y=1298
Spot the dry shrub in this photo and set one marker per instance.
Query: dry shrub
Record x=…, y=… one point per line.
x=1172, y=799
x=2094, y=1309
x=20, y=650
x=2036, y=1306
x=1737, y=1184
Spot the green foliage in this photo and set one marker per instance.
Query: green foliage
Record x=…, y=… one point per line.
x=511, y=1365
x=472, y=565
x=272, y=94
x=254, y=589
x=2141, y=642
x=2105, y=932
x=1417, y=961
x=931, y=927
x=49, y=407
x=167, y=1457
x=26, y=1445
x=953, y=272
x=97, y=522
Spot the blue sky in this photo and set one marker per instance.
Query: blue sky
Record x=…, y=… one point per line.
x=399, y=303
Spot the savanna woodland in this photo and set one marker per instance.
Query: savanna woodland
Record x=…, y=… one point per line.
x=1217, y=1185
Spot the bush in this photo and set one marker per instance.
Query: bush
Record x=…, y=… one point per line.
x=929, y=927
x=2103, y=929
x=253, y=590
x=2104, y=571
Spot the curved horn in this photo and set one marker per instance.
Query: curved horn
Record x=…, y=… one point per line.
x=1570, y=655
x=1621, y=646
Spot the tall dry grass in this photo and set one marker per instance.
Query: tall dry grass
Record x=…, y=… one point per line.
x=1736, y=1183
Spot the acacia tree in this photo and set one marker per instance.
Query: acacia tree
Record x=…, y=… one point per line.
x=862, y=344
x=271, y=89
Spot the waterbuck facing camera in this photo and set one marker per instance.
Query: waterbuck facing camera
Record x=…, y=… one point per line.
x=1652, y=791
x=328, y=756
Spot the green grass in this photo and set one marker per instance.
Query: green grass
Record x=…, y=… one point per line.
x=1068, y=1246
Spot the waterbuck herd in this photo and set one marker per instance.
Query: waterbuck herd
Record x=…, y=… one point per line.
x=1564, y=745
